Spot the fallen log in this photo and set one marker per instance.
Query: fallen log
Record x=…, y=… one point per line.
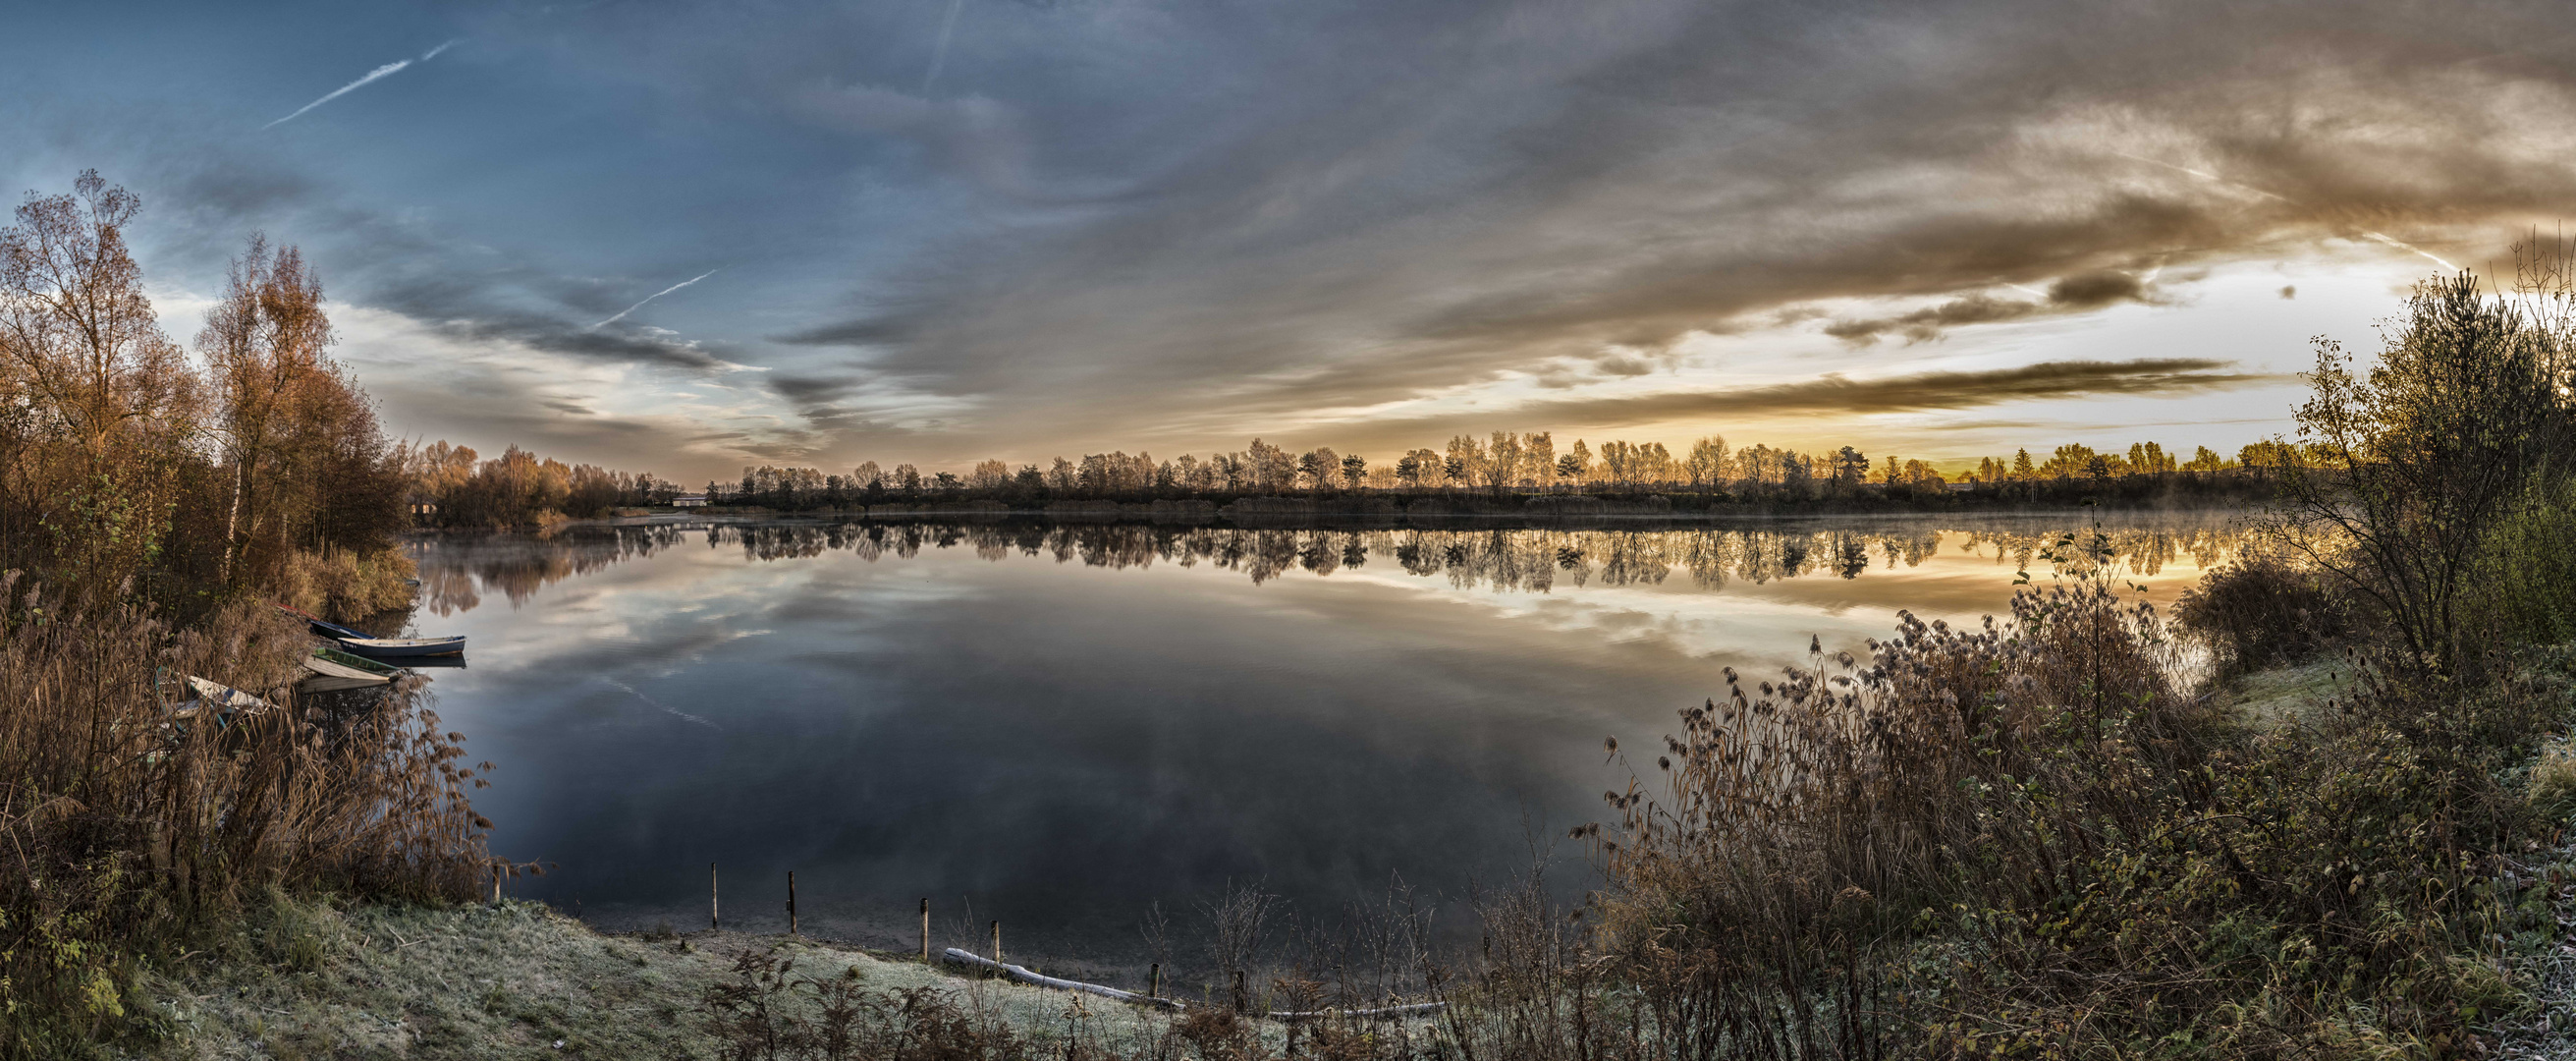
x=1026, y=976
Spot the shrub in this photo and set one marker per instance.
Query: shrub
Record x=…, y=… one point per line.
x=2261, y=610
x=345, y=586
x=2026, y=839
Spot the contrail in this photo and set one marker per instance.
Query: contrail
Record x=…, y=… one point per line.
x=378, y=74
x=2405, y=246
x=665, y=707
x=621, y=314
x=2379, y=237
x=2202, y=174
x=939, y=51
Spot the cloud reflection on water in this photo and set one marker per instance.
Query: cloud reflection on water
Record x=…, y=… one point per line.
x=968, y=713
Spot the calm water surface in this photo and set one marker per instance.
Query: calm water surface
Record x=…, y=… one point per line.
x=1060, y=725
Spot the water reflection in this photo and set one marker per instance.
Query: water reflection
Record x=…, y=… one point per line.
x=1529, y=560
x=1061, y=724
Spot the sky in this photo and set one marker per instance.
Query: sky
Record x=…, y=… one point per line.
x=684, y=238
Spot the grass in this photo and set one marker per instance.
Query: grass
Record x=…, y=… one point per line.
x=2269, y=697
x=313, y=978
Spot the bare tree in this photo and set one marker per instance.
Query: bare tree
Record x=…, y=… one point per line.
x=1238, y=930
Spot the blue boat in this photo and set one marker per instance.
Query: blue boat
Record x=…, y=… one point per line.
x=381, y=647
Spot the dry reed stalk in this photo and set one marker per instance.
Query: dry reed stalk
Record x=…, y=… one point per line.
x=129, y=830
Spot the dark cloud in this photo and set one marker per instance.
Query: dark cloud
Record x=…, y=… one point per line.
x=867, y=332
x=2074, y=294
x=2096, y=289
x=1838, y=394
x=1926, y=324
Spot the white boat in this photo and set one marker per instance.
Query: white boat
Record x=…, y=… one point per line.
x=216, y=699
x=323, y=673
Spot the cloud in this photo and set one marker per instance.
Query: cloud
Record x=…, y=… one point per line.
x=2083, y=292
x=371, y=77
x=973, y=135
x=1185, y=223
x=1837, y=394
x=1410, y=220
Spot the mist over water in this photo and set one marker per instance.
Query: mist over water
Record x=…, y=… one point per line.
x=1062, y=724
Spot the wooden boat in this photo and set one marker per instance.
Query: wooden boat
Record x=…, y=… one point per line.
x=221, y=701
x=350, y=659
x=331, y=670
x=398, y=647
x=380, y=647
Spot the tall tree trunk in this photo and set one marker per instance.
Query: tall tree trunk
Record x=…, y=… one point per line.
x=232, y=526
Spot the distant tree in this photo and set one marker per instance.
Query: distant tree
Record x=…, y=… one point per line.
x=1706, y=465
x=1466, y=455
x=1318, y=467
x=2021, y=466
x=1354, y=471
x=2069, y=461
x=990, y=475
x=1502, y=465
x=1851, y=466
x=1618, y=464
x=1271, y=469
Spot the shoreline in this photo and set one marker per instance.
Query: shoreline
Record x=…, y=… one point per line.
x=1126, y=514
x=519, y=978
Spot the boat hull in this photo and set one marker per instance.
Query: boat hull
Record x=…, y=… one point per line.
x=401, y=647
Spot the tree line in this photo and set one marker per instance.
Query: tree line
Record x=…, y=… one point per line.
x=450, y=488
x=1507, y=464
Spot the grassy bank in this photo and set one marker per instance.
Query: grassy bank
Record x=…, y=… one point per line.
x=310, y=978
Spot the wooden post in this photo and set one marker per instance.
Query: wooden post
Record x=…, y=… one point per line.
x=1154, y=981
x=711, y=897
x=925, y=931
x=997, y=943
x=791, y=902
x=496, y=884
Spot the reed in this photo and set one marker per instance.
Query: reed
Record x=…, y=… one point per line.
x=131, y=834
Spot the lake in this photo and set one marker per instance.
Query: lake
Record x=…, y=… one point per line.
x=1059, y=725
